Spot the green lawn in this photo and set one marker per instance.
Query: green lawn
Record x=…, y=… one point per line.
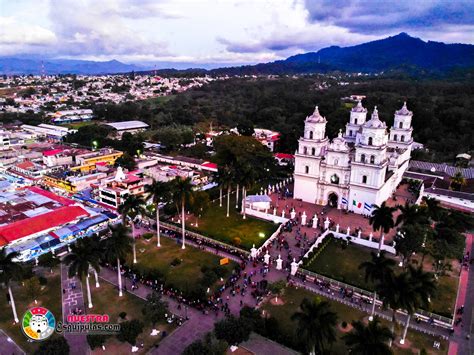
x=187, y=275
x=292, y=298
x=77, y=125
x=343, y=265
x=216, y=225
x=106, y=301
x=49, y=298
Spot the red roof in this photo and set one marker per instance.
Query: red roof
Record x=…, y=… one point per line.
x=284, y=156
x=62, y=200
x=101, y=163
x=49, y=153
x=37, y=224
x=209, y=165
x=25, y=165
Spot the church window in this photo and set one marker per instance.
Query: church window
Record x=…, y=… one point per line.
x=395, y=137
x=306, y=169
x=313, y=151
x=362, y=158
x=355, y=120
x=402, y=138
x=370, y=140
x=372, y=159
x=336, y=162
x=364, y=179
x=400, y=125
x=310, y=134
x=350, y=133
x=305, y=150
x=334, y=179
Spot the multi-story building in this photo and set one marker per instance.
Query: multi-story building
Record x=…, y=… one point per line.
x=113, y=192
x=356, y=170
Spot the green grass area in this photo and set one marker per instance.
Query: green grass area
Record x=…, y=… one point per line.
x=105, y=300
x=216, y=225
x=159, y=100
x=49, y=298
x=77, y=125
x=343, y=265
x=292, y=298
x=187, y=275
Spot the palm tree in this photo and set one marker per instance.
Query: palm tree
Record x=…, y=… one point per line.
x=370, y=339
x=117, y=247
x=316, y=325
x=377, y=270
x=200, y=204
x=10, y=271
x=158, y=192
x=247, y=179
x=397, y=292
x=409, y=214
x=132, y=207
x=226, y=179
x=382, y=218
x=182, y=194
x=83, y=256
x=423, y=285
x=433, y=207
x=457, y=181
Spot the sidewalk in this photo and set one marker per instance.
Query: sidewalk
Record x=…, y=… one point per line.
x=459, y=344
x=72, y=299
x=8, y=346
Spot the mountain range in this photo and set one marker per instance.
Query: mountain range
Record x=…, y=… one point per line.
x=400, y=52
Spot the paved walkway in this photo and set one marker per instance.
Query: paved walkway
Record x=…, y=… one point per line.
x=8, y=346
x=73, y=298
x=459, y=344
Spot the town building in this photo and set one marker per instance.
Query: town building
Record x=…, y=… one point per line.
x=127, y=126
x=356, y=170
x=69, y=116
x=113, y=192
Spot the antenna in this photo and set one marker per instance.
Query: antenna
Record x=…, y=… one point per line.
x=43, y=70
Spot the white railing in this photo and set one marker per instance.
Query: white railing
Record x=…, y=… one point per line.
x=265, y=216
x=364, y=242
x=269, y=240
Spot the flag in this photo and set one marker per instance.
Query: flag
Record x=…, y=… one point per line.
x=344, y=201
x=357, y=204
x=367, y=206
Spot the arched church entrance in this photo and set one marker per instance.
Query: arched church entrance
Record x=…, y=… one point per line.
x=333, y=200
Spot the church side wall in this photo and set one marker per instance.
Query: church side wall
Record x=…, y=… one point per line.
x=305, y=188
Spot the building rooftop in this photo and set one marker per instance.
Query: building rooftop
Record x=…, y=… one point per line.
x=126, y=125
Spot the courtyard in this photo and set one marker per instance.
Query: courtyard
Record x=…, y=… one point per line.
x=106, y=301
x=232, y=230
x=341, y=263
x=292, y=297
x=179, y=269
x=49, y=296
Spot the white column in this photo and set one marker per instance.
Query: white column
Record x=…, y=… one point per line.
x=279, y=263
x=266, y=258
x=337, y=228
x=294, y=267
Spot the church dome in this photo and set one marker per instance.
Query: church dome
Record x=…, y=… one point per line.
x=404, y=111
x=359, y=107
x=375, y=121
x=316, y=117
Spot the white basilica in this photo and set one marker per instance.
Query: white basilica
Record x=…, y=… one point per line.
x=356, y=170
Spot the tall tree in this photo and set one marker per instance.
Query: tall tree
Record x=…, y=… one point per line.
x=200, y=204
x=377, y=270
x=10, y=270
x=410, y=214
x=433, y=207
x=410, y=239
x=226, y=177
x=423, y=287
x=117, y=247
x=316, y=324
x=133, y=207
x=369, y=339
x=247, y=179
x=182, y=195
x=382, y=219
x=158, y=192
x=83, y=256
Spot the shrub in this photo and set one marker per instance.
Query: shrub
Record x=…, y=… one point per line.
x=236, y=241
x=344, y=325
x=123, y=315
x=148, y=236
x=43, y=281
x=176, y=262
x=130, y=330
x=220, y=271
x=96, y=340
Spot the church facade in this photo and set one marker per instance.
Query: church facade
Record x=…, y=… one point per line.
x=357, y=169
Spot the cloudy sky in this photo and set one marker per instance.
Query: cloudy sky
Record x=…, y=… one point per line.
x=219, y=31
